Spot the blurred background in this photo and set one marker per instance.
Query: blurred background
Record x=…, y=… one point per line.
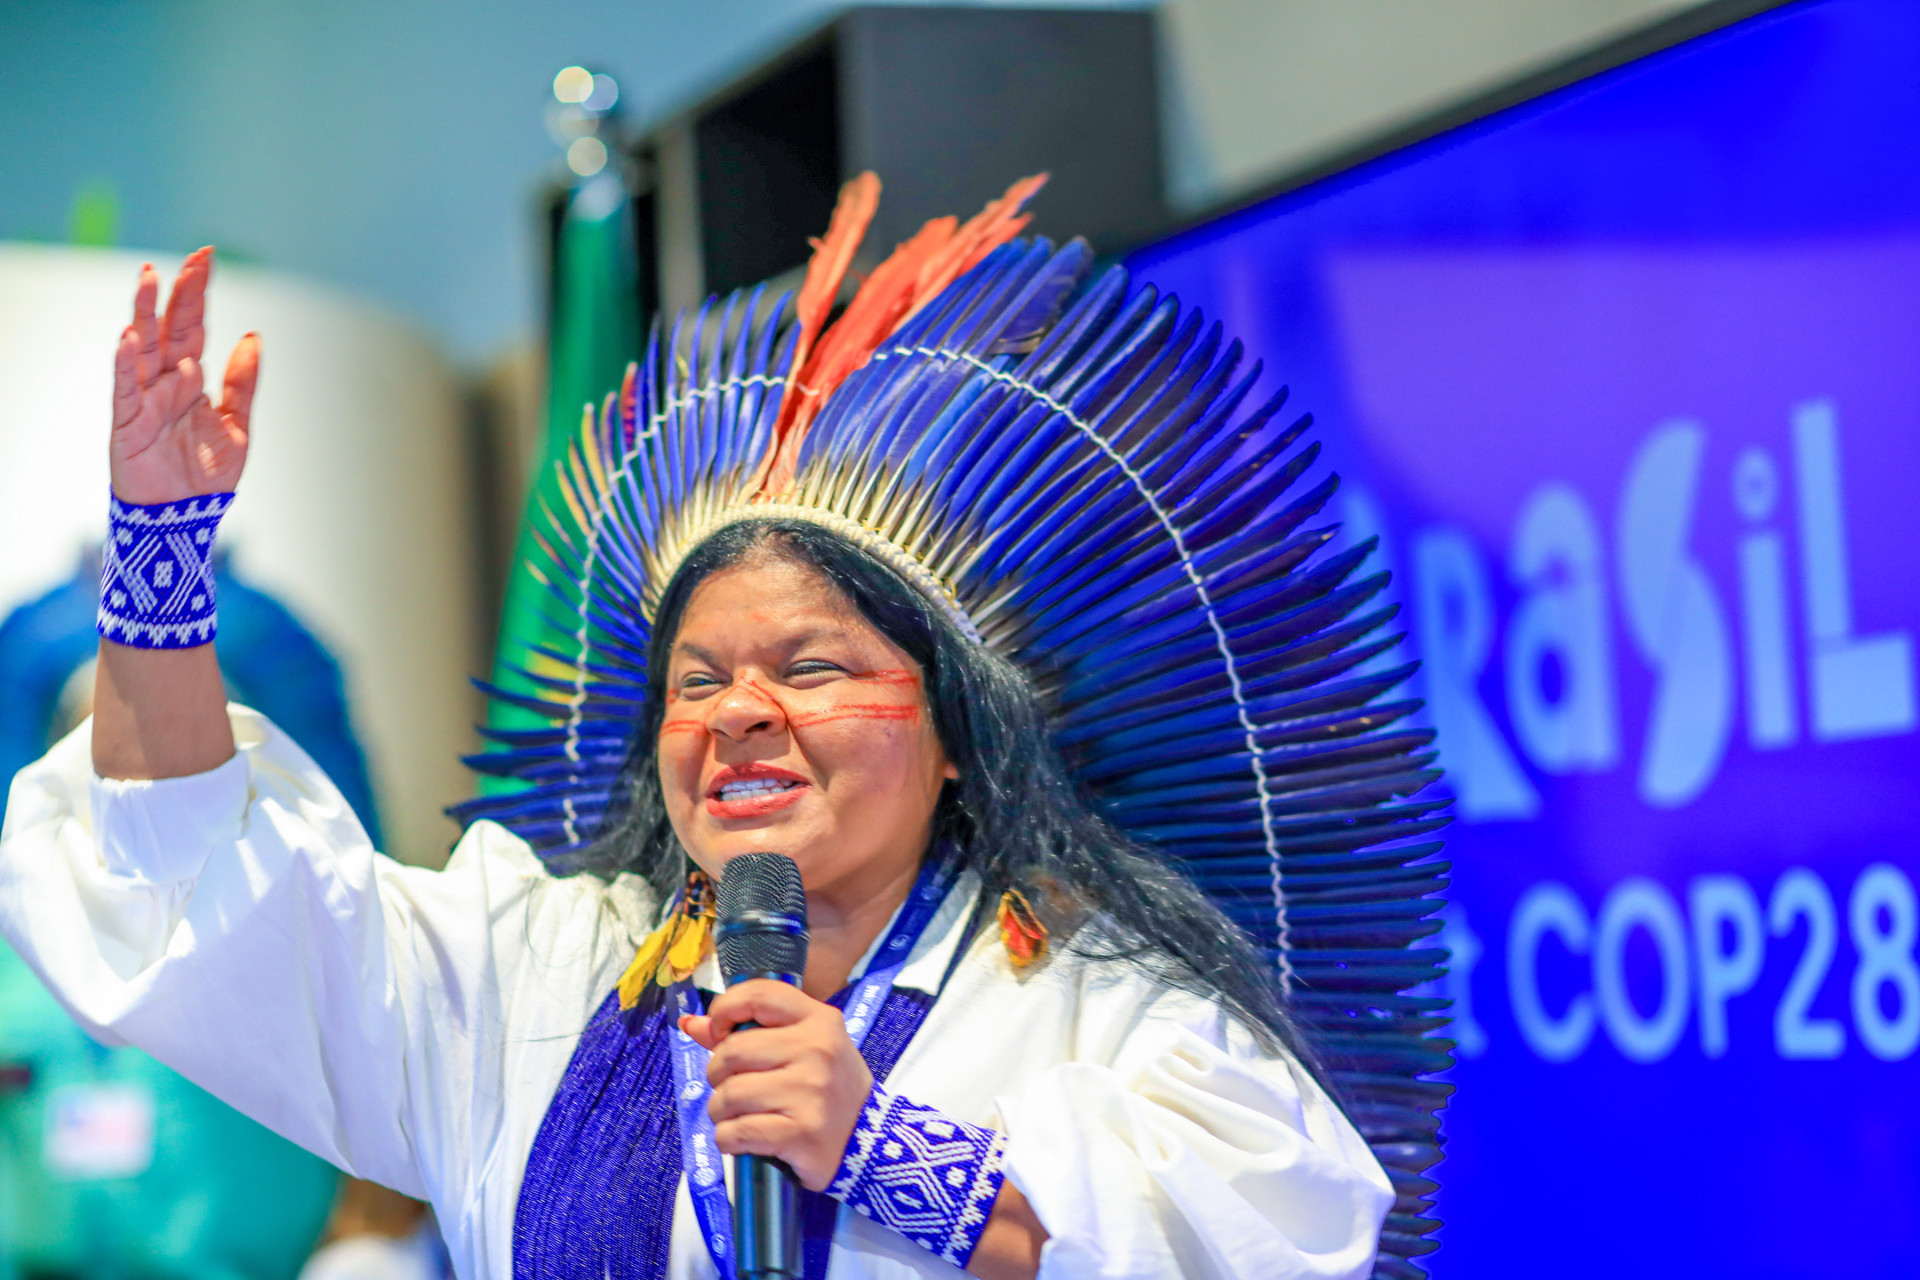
x=1609, y=312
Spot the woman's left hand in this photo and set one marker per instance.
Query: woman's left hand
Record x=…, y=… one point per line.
x=790, y=1087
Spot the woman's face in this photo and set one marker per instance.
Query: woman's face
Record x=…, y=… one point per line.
x=793, y=726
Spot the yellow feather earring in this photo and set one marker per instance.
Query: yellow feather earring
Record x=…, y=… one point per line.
x=672, y=952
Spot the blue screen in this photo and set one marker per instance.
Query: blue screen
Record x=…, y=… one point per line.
x=1627, y=381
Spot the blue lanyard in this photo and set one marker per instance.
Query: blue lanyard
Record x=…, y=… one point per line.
x=699, y=1149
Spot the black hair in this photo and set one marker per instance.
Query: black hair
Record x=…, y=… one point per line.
x=1014, y=817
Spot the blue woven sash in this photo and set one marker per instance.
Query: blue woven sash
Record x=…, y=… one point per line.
x=597, y=1200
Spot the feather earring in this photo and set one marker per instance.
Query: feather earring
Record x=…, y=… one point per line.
x=672, y=952
x=1021, y=932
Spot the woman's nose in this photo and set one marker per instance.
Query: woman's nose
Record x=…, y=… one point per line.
x=745, y=709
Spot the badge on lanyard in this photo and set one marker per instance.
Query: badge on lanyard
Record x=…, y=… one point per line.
x=699, y=1151
x=98, y=1131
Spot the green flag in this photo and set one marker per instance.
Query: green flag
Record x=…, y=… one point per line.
x=596, y=332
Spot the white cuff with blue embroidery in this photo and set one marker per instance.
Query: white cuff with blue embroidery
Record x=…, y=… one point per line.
x=928, y=1176
x=156, y=579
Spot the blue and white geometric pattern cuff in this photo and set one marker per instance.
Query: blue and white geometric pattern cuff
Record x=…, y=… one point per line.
x=156, y=580
x=928, y=1176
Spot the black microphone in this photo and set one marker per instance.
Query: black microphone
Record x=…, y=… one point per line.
x=763, y=934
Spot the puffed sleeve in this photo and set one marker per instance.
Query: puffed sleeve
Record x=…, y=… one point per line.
x=1181, y=1147
x=239, y=926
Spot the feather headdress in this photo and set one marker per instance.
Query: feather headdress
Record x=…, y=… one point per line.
x=1074, y=470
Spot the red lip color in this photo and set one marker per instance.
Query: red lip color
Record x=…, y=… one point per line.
x=759, y=805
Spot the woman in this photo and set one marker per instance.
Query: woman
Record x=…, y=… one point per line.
x=824, y=583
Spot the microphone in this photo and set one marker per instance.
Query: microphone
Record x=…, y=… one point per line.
x=763, y=934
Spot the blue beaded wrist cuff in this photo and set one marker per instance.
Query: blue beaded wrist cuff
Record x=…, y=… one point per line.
x=156, y=580
x=928, y=1176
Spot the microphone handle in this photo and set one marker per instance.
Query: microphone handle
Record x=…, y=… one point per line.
x=766, y=1215
x=766, y=1219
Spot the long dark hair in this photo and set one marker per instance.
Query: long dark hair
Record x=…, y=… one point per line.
x=1014, y=817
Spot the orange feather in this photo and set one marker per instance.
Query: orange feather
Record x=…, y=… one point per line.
x=629, y=391
x=936, y=255
x=1021, y=932
x=986, y=231
x=832, y=255
x=874, y=313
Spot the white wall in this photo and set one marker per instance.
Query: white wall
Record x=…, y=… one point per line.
x=353, y=511
x=1261, y=87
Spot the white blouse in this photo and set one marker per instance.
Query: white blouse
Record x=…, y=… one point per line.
x=411, y=1026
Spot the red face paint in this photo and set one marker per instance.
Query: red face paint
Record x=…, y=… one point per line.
x=859, y=711
x=901, y=677
x=781, y=674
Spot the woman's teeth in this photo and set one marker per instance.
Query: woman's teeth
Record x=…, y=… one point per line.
x=754, y=787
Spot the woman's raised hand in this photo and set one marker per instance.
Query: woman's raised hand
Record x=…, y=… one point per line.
x=169, y=441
